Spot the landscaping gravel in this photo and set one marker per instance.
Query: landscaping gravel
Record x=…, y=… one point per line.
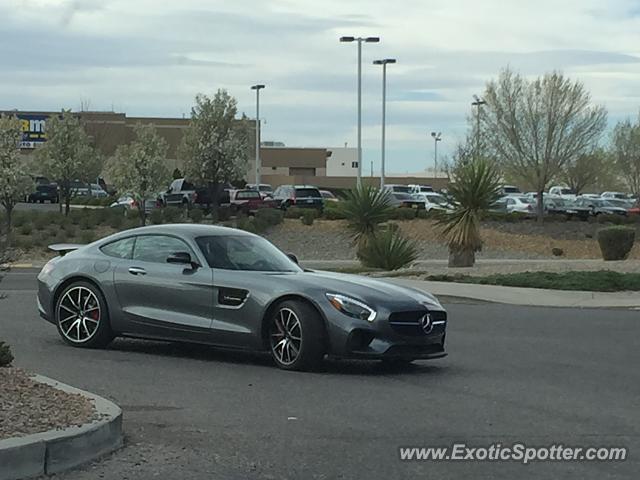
x=28, y=407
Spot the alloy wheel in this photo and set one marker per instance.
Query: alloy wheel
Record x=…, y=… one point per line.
x=79, y=314
x=286, y=336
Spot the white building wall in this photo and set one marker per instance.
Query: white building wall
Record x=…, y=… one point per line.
x=342, y=162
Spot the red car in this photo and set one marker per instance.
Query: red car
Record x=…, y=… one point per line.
x=250, y=201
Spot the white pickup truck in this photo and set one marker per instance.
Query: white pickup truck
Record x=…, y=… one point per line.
x=564, y=193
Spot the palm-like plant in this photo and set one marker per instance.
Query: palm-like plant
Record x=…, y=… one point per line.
x=476, y=187
x=365, y=208
x=387, y=250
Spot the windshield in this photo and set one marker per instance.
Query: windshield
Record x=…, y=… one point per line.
x=307, y=193
x=247, y=194
x=439, y=199
x=400, y=189
x=426, y=189
x=245, y=253
x=567, y=191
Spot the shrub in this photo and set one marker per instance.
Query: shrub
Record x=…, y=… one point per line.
x=196, y=215
x=247, y=224
x=387, y=250
x=616, y=242
x=613, y=219
x=430, y=214
x=293, y=212
x=24, y=242
x=172, y=214
x=87, y=237
x=41, y=222
x=223, y=214
x=365, y=208
x=156, y=216
x=26, y=229
x=308, y=216
x=332, y=211
x=70, y=229
x=115, y=222
x=85, y=223
x=18, y=219
x=270, y=216
x=403, y=214
x=5, y=355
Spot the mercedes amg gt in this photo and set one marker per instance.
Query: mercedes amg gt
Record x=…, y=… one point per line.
x=229, y=288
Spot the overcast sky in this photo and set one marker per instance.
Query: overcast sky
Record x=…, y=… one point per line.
x=150, y=58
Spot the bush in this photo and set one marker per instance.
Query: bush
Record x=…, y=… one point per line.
x=41, y=222
x=308, y=216
x=196, y=215
x=365, y=208
x=293, y=212
x=172, y=214
x=613, y=219
x=430, y=214
x=616, y=242
x=270, y=216
x=247, y=224
x=18, y=219
x=156, y=216
x=332, y=211
x=5, y=355
x=26, y=229
x=24, y=242
x=85, y=223
x=387, y=250
x=403, y=214
x=115, y=222
x=223, y=214
x=87, y=237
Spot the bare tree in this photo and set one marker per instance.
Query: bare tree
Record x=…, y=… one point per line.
x=626, y=149
x=587, y=170
x=535, y=127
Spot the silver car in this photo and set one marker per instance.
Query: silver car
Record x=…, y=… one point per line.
x=229, y=288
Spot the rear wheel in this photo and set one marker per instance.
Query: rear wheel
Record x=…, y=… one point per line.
x=296, y=336
x=82, y=317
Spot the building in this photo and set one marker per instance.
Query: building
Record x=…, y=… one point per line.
x=343, y=162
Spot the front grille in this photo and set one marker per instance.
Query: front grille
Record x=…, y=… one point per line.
x=408, y=323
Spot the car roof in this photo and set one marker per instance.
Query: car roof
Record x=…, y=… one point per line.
x=183, y=229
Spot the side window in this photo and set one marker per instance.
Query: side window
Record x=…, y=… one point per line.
x=120, y=248
x=157, y=248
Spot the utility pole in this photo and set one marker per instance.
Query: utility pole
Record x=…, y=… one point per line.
x=437, y=137
x=257, y=88
x=478, y=102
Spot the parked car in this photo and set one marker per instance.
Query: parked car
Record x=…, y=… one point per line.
x=520, y=204
x=304, y=196
x=250, y=201
x=635, y=209
x=510, y=190
x=562, y=192
x=328, y=196
x=44, y=193
x=421, y=188
x=405, y=200
x=160, y=285
x=399, y=189
x=128, y=203
x=82, y=189
x=435, y=201
x=588, y=195
x=614, y=195
x=265, y=189
x=182, y=193
x=600, y=207
x=626, y=204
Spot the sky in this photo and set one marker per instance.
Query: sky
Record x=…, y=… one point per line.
x=151, y=57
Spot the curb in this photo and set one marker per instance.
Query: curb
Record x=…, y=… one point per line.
x=58, y=450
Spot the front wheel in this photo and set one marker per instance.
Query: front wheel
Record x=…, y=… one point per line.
x=82, y=317
x=296, y=336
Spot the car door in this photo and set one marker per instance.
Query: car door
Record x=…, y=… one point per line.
x=164, y=299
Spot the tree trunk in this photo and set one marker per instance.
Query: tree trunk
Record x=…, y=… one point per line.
x=461, y=258
x=67, y=202
x=540, y=207
x=9, y=214
x=142, y=213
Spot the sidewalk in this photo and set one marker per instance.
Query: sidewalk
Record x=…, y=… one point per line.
x=526, y=296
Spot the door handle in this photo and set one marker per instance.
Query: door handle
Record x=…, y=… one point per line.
x=137, y=271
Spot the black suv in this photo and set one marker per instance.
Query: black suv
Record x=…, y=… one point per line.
x=303, y=196
x=44, y=192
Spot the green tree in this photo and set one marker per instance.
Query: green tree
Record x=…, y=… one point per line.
x=626, y=151
x=534, y=128
x=215, y=146
x=139, y=169
x=14, y=179
x=67, y=155
x=475, y=188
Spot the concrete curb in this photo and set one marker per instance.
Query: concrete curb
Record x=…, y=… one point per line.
x=58, y=450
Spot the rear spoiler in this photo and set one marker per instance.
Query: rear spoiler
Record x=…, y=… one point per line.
x=63, y=248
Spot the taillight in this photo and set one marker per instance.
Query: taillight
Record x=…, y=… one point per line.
x=293, y=200
x=134, y=204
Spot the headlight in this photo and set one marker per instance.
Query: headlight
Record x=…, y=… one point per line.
x=351, y=307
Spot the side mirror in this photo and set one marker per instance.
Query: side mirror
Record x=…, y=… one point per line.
x=293, y=258
x=182, y=258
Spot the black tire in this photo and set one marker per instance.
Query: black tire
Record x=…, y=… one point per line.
x=312, y=345
x=99, y=336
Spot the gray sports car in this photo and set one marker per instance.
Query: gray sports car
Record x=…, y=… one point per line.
x=229, y=288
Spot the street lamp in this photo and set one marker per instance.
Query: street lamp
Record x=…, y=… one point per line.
x=384, y=63
x=360, y=40
x=478, y=102
x=437, y=137
x=257, y=88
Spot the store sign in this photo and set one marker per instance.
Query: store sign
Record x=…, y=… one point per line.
x=33, y=130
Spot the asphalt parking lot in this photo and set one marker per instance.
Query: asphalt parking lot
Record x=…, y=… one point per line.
x=514, y=374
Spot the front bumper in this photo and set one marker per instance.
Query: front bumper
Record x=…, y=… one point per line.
x=392, y=335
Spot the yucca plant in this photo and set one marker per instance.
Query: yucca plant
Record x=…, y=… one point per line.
x=388, y=250
x=365, y=208
x=475, y=189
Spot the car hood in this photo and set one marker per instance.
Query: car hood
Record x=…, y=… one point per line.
x=369, y=290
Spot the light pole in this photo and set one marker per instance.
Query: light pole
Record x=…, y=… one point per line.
x=478, y=102
x=384, y=63
x=437, y=137
x=257, y=88
x=360, y=40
